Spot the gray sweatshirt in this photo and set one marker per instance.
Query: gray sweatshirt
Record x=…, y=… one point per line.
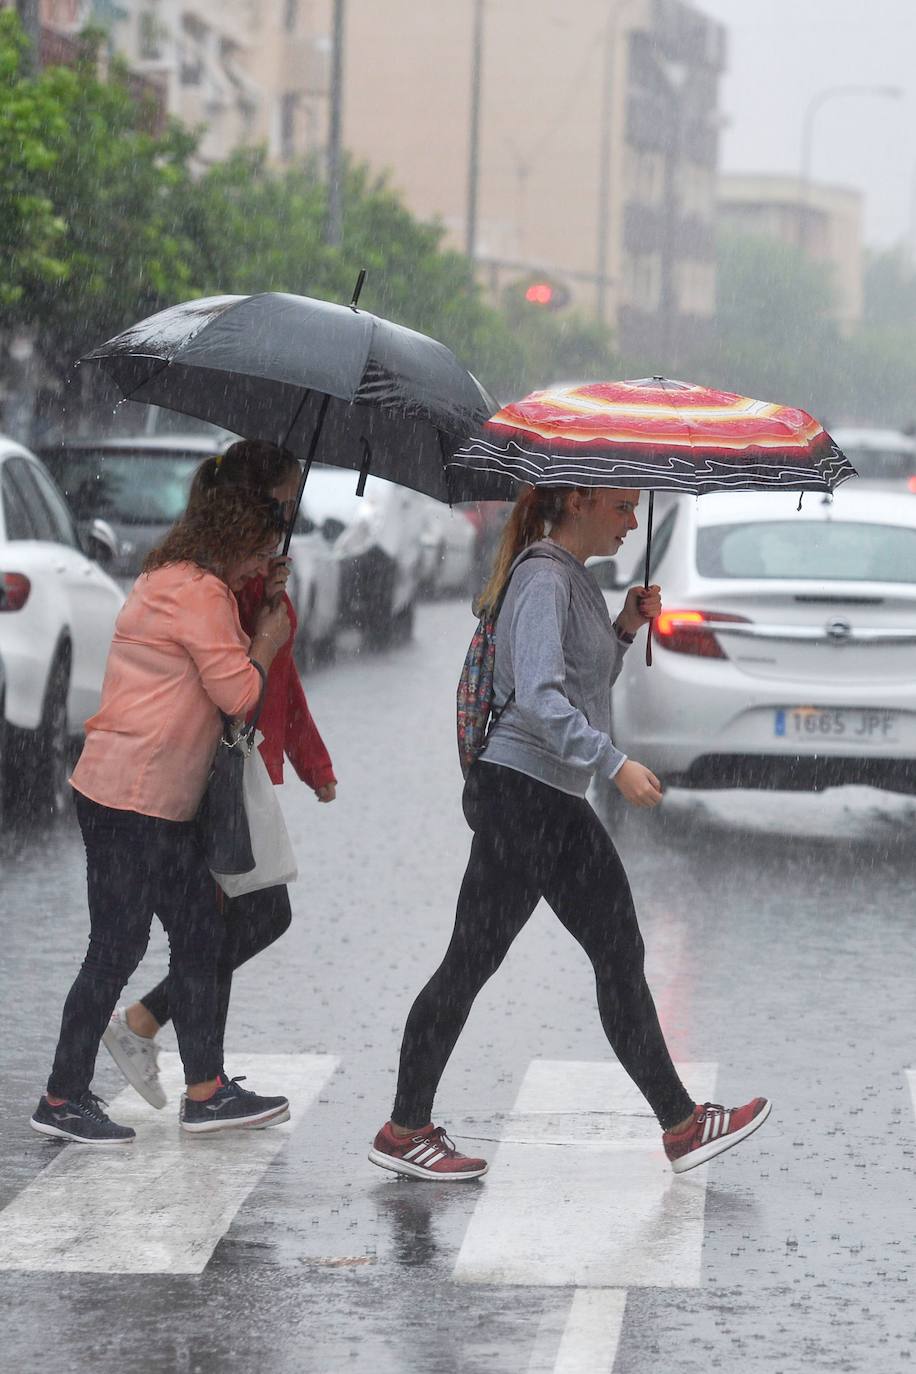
x=556, y=647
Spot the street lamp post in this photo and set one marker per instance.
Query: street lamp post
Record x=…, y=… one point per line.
x=470, y=243
x=334, y=225
x=814, y=104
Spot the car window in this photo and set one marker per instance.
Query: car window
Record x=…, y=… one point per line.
x=802, y=550
x=54, y=505
x=17, y=518
x=39, y=514
x=128, y=488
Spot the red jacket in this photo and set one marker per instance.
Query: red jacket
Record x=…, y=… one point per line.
x=286, y=722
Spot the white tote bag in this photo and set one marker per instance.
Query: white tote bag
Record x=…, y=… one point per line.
x=274, y=861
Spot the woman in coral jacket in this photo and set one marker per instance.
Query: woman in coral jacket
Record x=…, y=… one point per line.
x=255, y=920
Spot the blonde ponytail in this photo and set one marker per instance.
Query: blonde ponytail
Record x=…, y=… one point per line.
x=534, y=511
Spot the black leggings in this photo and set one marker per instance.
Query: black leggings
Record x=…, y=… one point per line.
x=252, y=922
x=532, y=841
x=137, y=866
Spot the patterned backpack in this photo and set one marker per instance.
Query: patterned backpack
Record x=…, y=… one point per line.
x=476, y=715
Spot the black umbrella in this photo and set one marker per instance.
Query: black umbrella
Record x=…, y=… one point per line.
x=330, y=383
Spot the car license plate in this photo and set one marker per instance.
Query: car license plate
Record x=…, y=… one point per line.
x=854, y=725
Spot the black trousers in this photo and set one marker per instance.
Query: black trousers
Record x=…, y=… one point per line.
x=532, y=841
x=138, y=866
x=252, y=922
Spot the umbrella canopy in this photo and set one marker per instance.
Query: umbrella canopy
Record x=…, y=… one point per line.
x=330, y=383
x=655, y=434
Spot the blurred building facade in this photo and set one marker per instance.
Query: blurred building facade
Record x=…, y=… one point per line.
x=599, y=138
x=825, y=222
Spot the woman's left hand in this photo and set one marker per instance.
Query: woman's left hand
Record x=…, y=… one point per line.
x=327, y=792
x=642, y=604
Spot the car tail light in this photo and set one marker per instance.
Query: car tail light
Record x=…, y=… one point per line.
x=911, y=483
x=14, y=591
x=693, y=632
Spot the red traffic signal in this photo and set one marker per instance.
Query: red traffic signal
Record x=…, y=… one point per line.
x=543, y=292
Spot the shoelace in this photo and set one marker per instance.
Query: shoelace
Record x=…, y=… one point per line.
x=442, y=1140
x=707, y=1108
x=92, y=1107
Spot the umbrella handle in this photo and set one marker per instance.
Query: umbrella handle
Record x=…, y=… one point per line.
x=358, y=288
x=646, y=579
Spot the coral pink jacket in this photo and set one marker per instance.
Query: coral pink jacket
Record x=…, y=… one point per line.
x=179, y=656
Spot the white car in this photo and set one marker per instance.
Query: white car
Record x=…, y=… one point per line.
x=448, y=550
x=785, y=656
x=57, y=615
x=378, y=546
x=314, y=585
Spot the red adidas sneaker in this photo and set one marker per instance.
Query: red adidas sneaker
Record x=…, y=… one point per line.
x=425, y=1154
x=713, y=1130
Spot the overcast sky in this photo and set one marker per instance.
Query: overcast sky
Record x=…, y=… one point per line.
x=781, y=52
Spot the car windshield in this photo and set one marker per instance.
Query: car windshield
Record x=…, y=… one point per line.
x=804, y=551
x=129, y=488
x=890, y=463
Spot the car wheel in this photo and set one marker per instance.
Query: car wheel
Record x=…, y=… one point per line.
x=380, y=621
x=51, y=787
x=325, y=649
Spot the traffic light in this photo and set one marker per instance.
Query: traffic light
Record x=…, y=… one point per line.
x=546, y=292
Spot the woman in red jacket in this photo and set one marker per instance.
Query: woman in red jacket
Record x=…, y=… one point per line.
x=256, y=919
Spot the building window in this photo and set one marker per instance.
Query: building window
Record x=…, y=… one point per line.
x=151, y=35
x=291, y=15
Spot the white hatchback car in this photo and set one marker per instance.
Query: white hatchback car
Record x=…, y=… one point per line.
x=57, y=615
x=785, y=655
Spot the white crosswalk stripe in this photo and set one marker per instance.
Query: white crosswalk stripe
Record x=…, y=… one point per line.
x=162, y=1204
x=608, y=1213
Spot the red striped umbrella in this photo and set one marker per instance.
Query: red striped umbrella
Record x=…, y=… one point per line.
x=654, y=434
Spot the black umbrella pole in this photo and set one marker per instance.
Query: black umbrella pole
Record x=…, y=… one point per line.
x=313, y=447
x=358, y=288
x=646, y=580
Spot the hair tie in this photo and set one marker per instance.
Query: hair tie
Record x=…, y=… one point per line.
x=218, y=459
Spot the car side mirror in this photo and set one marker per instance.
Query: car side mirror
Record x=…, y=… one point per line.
x=304, y=525
x=100, y=542
x=332, y=529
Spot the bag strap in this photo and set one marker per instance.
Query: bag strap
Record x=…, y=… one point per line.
x=252, y=725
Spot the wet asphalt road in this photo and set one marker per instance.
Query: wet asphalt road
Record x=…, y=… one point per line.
x=780, y=936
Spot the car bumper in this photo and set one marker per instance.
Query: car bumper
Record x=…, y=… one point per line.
x=703, y=723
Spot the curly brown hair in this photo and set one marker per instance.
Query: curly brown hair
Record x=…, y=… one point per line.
x=252, y=463
x=229, y=524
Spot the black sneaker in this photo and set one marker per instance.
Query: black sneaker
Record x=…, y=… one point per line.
x=231, y=1107
x=83, y=1121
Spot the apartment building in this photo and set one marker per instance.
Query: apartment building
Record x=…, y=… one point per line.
x=598, y=149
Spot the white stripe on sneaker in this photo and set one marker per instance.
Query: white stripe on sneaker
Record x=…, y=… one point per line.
x=435, y=1159
x=427, y=1155
x=417, y=1150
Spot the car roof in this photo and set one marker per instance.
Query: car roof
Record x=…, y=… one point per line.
x=879, y=439
x=850, y=502
x=143, y=443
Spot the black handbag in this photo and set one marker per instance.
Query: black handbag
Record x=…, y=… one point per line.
x=222, y=822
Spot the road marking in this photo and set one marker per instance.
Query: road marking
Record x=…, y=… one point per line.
x=162, y=1204
x=586, y=1342
x=579, y=1193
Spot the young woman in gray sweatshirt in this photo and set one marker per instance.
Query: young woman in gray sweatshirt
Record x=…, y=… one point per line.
x=535, y=835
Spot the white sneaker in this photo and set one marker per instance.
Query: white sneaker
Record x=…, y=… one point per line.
x=137, y=1056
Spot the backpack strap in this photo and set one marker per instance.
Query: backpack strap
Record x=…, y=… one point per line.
x=525, y=553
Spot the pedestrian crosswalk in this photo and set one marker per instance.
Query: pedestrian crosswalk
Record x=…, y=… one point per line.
x=579, y=1193
x=162, y=1204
